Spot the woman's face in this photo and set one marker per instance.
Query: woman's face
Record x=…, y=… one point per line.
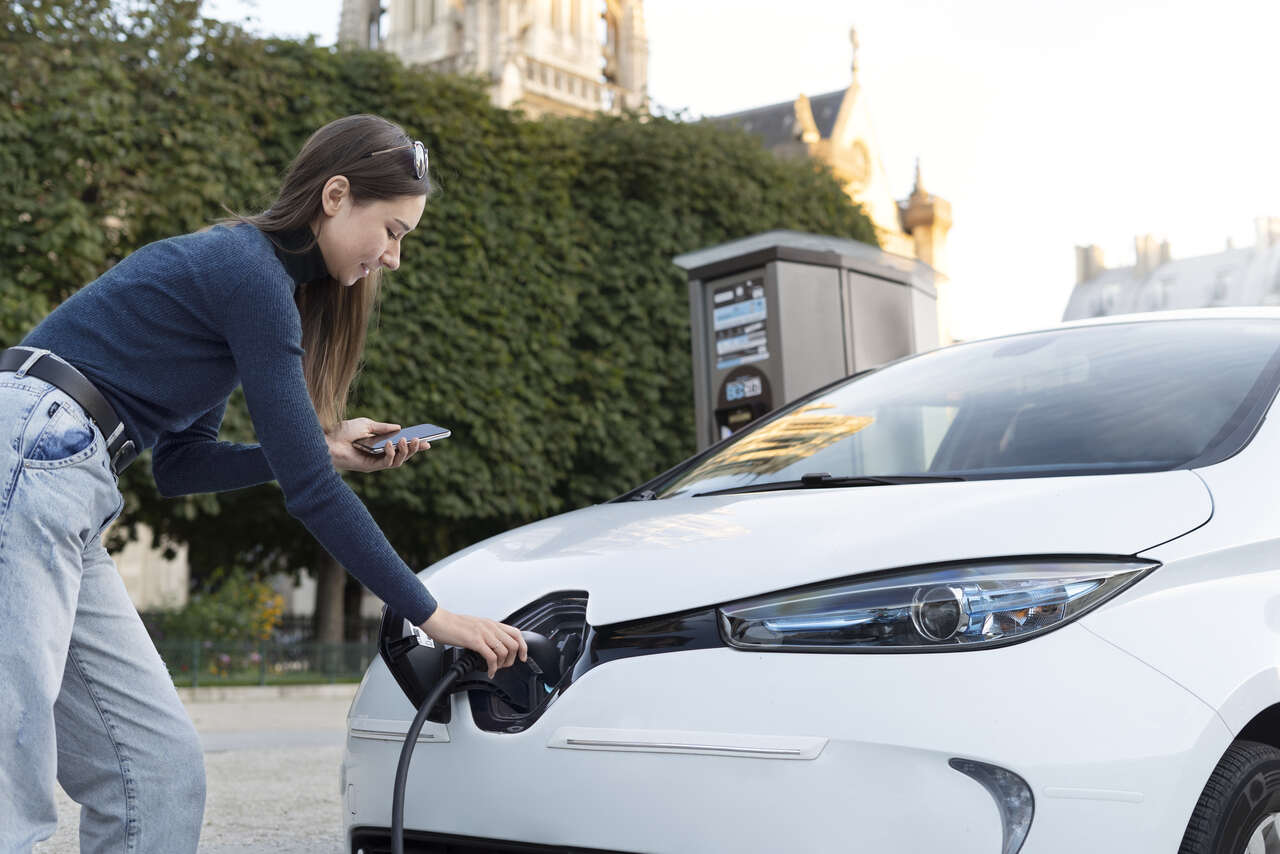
x=356, y=239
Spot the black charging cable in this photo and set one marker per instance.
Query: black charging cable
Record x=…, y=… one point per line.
x=466, y=663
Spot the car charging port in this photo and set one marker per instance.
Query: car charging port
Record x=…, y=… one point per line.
x=561, y=618
x=524, y=684
x=554, y=627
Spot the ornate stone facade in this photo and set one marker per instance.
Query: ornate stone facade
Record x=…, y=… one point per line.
x=563, y=57
x=835, y=128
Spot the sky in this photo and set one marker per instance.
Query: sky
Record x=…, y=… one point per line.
x=1046, y=125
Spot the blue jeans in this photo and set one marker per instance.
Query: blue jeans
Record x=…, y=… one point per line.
x=84, y=696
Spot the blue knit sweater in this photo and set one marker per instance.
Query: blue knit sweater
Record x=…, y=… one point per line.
x=168, y=333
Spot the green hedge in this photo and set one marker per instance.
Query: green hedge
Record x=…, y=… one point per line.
x=537, y=311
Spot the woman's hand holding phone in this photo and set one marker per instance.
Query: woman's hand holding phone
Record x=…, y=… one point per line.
x=347, y=457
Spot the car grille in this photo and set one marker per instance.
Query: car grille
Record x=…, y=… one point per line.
x=377, y=840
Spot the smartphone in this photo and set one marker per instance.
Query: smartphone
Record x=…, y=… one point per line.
x=377, y=444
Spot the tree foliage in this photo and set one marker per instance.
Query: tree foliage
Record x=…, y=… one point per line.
x=537, y=311
x=231, y=605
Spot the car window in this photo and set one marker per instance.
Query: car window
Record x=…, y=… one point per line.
x=1124, y=397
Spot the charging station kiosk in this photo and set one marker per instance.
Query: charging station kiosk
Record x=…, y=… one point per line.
x=778, y=314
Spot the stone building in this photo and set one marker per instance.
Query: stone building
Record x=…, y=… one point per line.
x=1158, y=282
x=835, y=128
x=154, y=582
x=563, y=57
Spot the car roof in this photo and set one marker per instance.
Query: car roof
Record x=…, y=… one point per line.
x=1246, y=312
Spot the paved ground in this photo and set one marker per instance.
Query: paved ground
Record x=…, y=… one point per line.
x=272, y=765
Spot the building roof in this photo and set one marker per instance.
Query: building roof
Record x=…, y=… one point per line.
x=1236, y=277
x=776, y=124
x=825, y=109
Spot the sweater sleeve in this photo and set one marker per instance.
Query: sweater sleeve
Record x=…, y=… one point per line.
x=264, y=333
x=193, y=460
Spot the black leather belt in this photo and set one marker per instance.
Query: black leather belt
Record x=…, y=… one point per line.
x=120, y=449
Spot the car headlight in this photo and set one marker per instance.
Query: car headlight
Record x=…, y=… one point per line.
x=943, y=607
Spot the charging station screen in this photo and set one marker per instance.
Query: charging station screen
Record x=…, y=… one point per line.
x=743, y=388
x=738, y=320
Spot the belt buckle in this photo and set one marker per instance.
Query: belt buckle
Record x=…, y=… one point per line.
x=127, y=450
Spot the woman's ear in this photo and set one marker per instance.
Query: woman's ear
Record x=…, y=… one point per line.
x=336, y=191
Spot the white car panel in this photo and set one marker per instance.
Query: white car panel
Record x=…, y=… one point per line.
x=1107, y=775
x=623, y=554
x=792, y=747
x=1219, y=584
x=1115, y=720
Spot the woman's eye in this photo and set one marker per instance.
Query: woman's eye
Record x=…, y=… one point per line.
x=391, y=234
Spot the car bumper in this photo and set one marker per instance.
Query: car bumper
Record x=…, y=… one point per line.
x=723, y=750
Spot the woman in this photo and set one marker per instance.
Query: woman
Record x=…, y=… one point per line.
x=145, y=357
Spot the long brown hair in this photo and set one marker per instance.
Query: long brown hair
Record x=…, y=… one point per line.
x=335, y=318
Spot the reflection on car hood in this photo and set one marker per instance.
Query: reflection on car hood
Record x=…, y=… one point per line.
x=642, y=558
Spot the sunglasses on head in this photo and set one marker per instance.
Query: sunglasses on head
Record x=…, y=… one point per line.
x=419, y=156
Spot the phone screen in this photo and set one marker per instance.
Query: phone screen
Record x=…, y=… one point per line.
x=429, y=432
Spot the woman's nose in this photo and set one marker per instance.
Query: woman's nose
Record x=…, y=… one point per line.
x=391, y=258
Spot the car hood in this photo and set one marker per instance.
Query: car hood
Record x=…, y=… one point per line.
x=642, y=558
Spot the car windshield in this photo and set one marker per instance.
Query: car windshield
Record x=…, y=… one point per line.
x=1122, y=397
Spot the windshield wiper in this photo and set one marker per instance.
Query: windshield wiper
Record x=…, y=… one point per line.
x=822, y=480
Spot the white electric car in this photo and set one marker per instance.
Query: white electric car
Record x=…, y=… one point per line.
x=1014, y=595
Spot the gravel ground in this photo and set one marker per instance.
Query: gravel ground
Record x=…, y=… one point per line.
x=272, y=766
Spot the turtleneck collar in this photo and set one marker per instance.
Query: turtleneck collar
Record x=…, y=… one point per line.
x=302, y=266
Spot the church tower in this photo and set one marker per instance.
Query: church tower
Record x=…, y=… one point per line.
x=835, y=128
x=359, y=24
x=561, y=57
x=927, y=218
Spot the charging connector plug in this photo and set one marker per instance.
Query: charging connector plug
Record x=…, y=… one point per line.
x=524, y=684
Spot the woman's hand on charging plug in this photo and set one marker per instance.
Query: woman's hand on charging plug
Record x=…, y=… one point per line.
x=499, y=643
x=347, y=457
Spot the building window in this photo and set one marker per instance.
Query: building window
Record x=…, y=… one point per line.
x=1161, y=292
x=1219, y=294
